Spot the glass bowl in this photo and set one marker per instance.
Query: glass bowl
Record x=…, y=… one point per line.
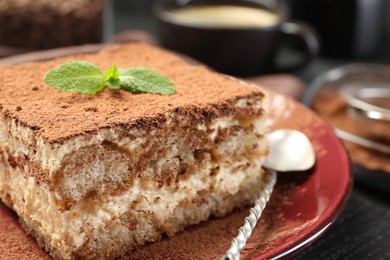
x=355, y=100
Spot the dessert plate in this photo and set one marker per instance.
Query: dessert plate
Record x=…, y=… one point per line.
x=302, y=207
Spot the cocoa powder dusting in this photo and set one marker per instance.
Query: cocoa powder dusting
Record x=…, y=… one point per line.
x=331, y=106
x=60, y=115
x=14, y=243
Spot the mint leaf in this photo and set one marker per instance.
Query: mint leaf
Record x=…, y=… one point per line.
x=142, y=79
x=80, y=76
x=112, y=77
x=85, y=77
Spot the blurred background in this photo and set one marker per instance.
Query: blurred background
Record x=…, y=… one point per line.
x=357, y=29
x=349, y=30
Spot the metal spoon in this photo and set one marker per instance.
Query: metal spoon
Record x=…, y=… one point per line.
x=290, y=150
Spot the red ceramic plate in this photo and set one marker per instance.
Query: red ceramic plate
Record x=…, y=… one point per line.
x=302, y=207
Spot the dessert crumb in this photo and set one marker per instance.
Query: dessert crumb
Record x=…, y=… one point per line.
x=91, y=109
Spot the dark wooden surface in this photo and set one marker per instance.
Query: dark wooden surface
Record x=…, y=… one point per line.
x=361, y=232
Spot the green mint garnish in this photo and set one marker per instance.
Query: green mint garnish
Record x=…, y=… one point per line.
x=80, y=76
x=141, y=79
x=112, y=77
x=86, y=77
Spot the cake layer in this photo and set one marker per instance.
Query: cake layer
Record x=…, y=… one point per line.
x=55, y=116
x=110, y=226
x=41, y=127
x=93, y=176
x=106, y=162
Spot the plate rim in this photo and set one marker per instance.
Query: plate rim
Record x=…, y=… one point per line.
x=320, y=227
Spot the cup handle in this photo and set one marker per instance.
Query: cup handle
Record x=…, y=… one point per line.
x=310, y=40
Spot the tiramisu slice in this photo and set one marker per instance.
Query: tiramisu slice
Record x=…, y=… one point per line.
x=93, y=176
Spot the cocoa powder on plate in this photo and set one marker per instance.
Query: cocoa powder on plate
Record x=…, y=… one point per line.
x=333, y=108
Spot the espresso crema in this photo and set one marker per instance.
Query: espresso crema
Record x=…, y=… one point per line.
x=222, y=16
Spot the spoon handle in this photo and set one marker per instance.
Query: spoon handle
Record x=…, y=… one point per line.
x=244, y=232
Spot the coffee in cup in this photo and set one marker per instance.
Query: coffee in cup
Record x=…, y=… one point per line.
x=239, y=38
x=222, y=16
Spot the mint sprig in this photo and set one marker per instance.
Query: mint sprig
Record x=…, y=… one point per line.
x=80, y=76
x=112, y=77
x=142, y=79
x=87, y=78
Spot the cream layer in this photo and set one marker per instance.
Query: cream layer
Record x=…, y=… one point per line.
x=70, y=229
x=19, y=140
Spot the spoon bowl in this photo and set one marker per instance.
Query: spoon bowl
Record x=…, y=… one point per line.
x=290, y=150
